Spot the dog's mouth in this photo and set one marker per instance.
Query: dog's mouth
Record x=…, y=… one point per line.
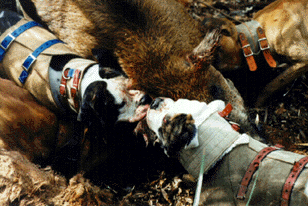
x=148, y=135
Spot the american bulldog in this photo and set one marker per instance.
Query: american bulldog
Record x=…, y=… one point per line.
x=62, y=81
x=237, y=169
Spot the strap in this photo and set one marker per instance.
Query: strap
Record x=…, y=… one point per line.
x=288, y=186
x=7, y=41
x=32, y=57
x=254, y=165
x=248, y=53
x=74, y=88
x=265, y=48
x=224, y=113
x=66, y=75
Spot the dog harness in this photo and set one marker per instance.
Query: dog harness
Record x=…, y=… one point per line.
x=26, y=52
x=297, y=168
x=254, y=41
x=215, y=136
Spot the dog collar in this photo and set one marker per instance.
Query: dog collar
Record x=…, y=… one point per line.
x=72, y=75
x=254, y=41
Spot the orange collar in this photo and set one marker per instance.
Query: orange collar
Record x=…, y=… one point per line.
x=254, y=41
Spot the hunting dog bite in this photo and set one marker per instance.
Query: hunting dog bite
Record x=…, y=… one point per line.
x=272, y=48
x=154, y=42
x=72, y=88
x=237, y=168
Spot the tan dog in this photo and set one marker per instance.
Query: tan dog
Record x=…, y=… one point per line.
x=151, y=41
x=34, y=132
x=285, y=25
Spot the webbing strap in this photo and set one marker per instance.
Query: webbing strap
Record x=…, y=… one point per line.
x=32, y=57
x=288, y=186
x=254, y=165
x=7, y=41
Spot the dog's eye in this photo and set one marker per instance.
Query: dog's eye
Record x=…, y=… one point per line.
x=225, y=32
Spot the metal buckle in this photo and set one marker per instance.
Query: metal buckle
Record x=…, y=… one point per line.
x=247, y=55
x=28, y=62
x=262, y=39
x=6, y=42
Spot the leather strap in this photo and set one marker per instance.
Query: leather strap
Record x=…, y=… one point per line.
x=32, y=57
x=248, y=53
x=287, y=188
x=7, y=41
x=254, y=165
x=74, y=88
x=224, y=113
x=66, y=75
x=265, y=48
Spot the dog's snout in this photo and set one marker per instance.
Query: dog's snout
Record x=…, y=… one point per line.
x=156, y=103
x=146, y=99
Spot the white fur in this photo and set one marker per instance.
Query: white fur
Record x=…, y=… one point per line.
x=117, y=87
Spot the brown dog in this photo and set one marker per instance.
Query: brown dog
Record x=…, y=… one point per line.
x=34, y=132
x=151, y=41
x=285, y=25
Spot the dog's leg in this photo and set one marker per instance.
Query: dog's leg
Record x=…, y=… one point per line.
x=281, y=81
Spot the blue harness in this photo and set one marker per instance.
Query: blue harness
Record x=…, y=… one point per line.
x=7, y=41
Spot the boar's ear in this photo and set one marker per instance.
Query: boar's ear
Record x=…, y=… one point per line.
x=201, y=57
x=177, y=132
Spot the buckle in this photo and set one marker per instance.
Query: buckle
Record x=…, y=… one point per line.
x=263, y=39
x=7, y=41
x=249, y=50
x=28, y=62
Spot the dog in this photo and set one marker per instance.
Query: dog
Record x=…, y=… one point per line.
x=102, y=100
x=283, y=56
x=154, y=42
x=237, y=168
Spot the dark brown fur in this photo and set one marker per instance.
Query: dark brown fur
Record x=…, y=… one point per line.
x=151, y=40
x=178, y=131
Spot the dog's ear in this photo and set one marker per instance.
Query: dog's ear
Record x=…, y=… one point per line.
x=106, y=58
x=177, y=132
x=98, y=105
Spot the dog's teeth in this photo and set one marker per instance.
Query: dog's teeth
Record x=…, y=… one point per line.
x=156, y=141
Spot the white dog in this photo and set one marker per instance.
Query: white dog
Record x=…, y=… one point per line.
x=235, y=165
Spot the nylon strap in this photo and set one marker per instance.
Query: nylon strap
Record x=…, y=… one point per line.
x=288, y=186
x=66, y=75
x=265, y=48
x=7, y=41
x=248, y=53
x=32, y=57
x=254, y=165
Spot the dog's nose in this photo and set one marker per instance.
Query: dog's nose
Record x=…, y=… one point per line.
x=146, y=99
x=156, y=103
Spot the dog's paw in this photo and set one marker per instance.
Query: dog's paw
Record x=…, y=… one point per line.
x=177, y=132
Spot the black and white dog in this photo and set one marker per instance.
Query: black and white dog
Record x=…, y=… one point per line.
x=237, y=168
x=72, y=87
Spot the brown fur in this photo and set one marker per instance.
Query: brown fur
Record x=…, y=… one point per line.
x=151, y=40
x=25, y=125
x=285, y=24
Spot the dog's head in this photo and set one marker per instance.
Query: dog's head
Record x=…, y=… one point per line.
x=174, y=130
x=228, y=54
x=107, y=100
